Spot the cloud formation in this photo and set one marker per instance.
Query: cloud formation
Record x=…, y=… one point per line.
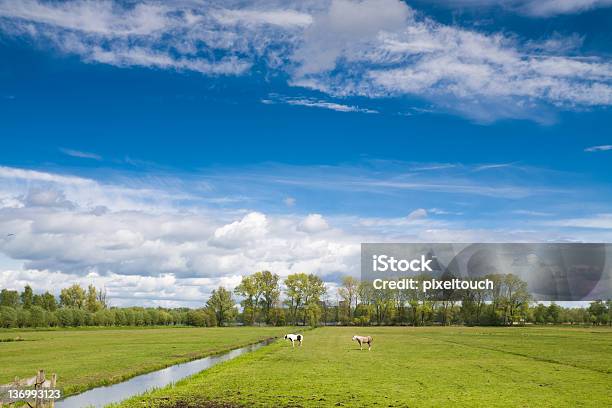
x=157, y=244
x=600, y=148
x=369, y=48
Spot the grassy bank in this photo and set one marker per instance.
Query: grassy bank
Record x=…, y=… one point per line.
x=84, y=358
x=410, y=367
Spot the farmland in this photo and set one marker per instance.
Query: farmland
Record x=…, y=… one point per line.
x=416, y=367
x=84, y=358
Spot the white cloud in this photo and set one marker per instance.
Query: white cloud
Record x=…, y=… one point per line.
x=546, y=8
x=253, y=226
x=289, y=201
x=33, y=175
x=98, y=17
x=46, y=198
x=369, y=48
x=417, y=214
x=534, y=8
x=600, y=148
x=81, y=154
x=283, y=18
x=146, y=246
x=313, y=223
x=316, y=103
x=598, y=221
x=345, y=30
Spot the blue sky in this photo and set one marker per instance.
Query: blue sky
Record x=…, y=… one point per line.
x=294, y=127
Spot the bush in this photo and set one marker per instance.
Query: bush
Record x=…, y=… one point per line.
x=37, y=317
x=64, y=316
x=8, y=317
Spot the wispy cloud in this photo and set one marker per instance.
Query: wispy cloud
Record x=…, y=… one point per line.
x=316, y=103
x=598, y=221
x=80, y=154
x=546, y=8
x=532, y=213
x=493, y=166
x=371, y=48
x=600, y=148
x=534, y=8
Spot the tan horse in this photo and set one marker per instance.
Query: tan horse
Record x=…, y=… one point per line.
x=363, y=339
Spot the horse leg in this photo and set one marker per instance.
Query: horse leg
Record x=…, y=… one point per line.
x=369, y=346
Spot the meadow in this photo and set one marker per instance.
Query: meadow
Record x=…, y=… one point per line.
x=410, y=367
x=87, y=357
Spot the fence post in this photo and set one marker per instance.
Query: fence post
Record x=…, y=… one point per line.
x=40, y=380
x=53, y=381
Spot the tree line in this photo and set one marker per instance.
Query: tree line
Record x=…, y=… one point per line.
x=303, y=299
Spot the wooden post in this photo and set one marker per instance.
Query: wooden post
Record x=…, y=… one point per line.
x=53, y=381
x=40, y=380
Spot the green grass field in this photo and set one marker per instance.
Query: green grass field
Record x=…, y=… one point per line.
x=410, y=367
x=84, y=358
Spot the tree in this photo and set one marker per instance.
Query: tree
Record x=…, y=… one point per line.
x=27, y=297
x=540, y=313
x=304, y=296
x=295, y=284
x=9, y=298
x=8, y=317
x=249, y=290
x=74, y=296
x=598, y=312
x=267, y=283
x=553, y=313
x=46, y=301
x=348, y=293
x=92, y=304
x=516, y=298
x=315, y=288
x=222, y=304
x=37, y=317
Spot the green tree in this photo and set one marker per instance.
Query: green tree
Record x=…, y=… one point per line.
x=27, y=297
x=540, y=313
x=37, y=317
x=553, y=313
x=267, y=282
x=46, y=301
x=222, y=305
x=92, y=304
x=296, y=284
x=304, y=296
x=250, y=291
x=8, y=317
x=74, y=296
x=348, y=292
x=9, y=298
x=315, y=289
x=598, y=312
x=515, y=299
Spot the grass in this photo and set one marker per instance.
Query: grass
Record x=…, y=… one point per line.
x=410, y=367
x=85, y=358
